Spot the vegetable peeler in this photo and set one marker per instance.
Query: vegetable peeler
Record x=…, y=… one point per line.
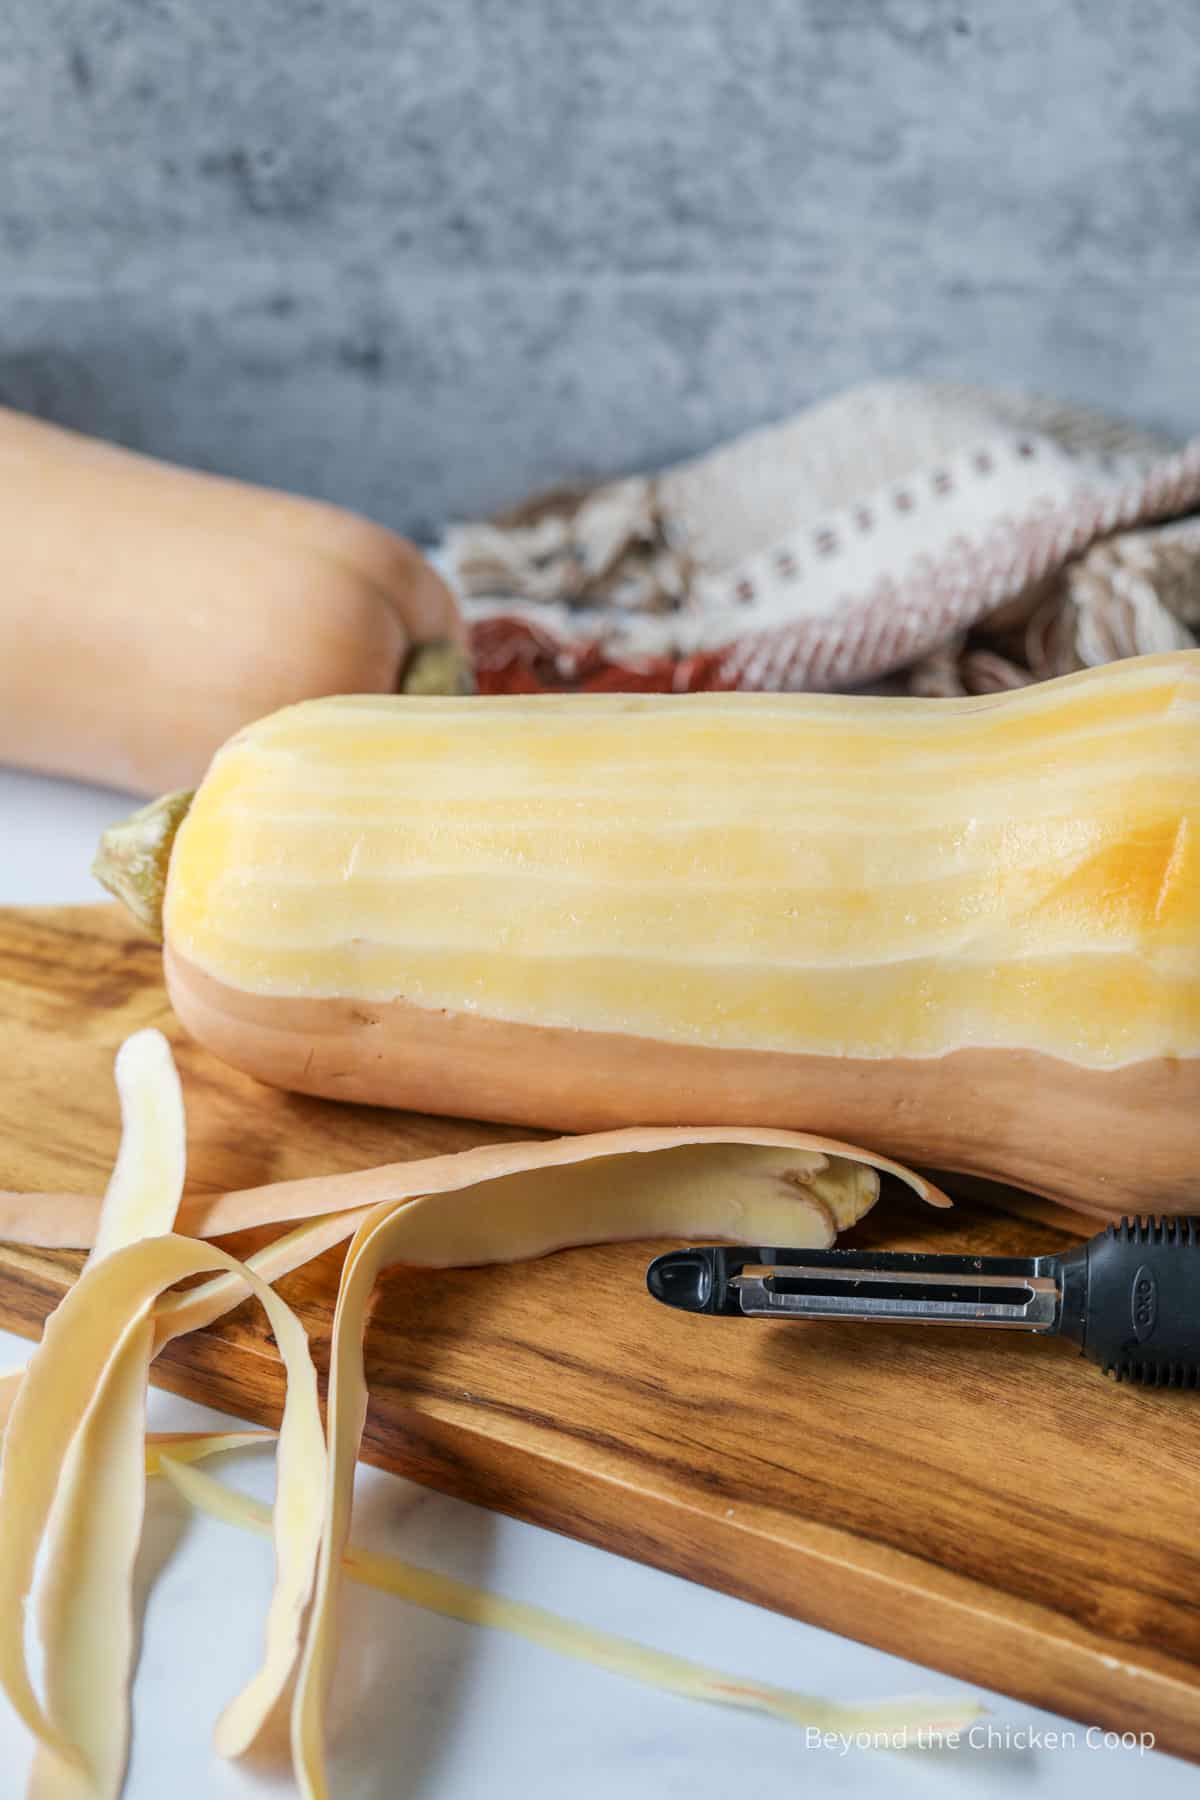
x=1130, y=1298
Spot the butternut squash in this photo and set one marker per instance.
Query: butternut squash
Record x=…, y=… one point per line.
x=964, y=932
x=147, y=612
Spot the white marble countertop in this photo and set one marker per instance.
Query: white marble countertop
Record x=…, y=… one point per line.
x=446, y=1712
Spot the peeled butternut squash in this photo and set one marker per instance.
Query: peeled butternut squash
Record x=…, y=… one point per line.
x=964, y=932
x=147, y=612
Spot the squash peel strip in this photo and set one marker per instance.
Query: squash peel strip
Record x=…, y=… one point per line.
x=69, y=1221
x=453, y=1599
x=193, y=1446
x=197, y=1446
x=173, y=1454
x=496, y=1203
x=9, y=1385
x=86, y=1612
x=822, y=1163
x=747, y=1197
x=177, y=1314
x=51, y=1403
x=146, y=1186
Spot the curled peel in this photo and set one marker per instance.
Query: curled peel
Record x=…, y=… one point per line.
x=701, y=1188
x=63, y=1421
x=497, y=1203
x=190, y=1446
x=622, y=1656
x=839, y=1181
x=8, y=1393
x=51, y=1404
x=187, y=1447
x=69, y=1221
x=174, y=1454
x=86, y=1611
x=146, y=1186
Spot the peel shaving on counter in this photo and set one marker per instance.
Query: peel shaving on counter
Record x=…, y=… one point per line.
x=76, y=1458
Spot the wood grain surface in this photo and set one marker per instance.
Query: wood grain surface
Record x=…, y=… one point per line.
x=985, y=1503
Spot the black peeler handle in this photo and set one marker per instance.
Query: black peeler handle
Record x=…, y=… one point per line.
x=1131, y=1300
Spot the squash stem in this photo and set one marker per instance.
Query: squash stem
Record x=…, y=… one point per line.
x=438, y=668
x=133, y=857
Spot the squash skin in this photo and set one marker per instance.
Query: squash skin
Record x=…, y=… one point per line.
x=148, y=612
x=1008, y=986
x=1111, y=1141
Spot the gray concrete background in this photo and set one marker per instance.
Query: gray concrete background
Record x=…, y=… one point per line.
x=420, y=255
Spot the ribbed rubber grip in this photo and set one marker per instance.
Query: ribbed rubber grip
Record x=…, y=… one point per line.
x=1134, y=1293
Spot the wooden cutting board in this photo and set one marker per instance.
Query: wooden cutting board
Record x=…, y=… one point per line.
x=987, y=1504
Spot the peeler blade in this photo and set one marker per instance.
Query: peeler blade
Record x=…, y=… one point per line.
x=1021, y=1293
x=1025, y=1302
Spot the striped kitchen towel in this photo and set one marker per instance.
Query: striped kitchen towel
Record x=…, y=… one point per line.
x=908, y=536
